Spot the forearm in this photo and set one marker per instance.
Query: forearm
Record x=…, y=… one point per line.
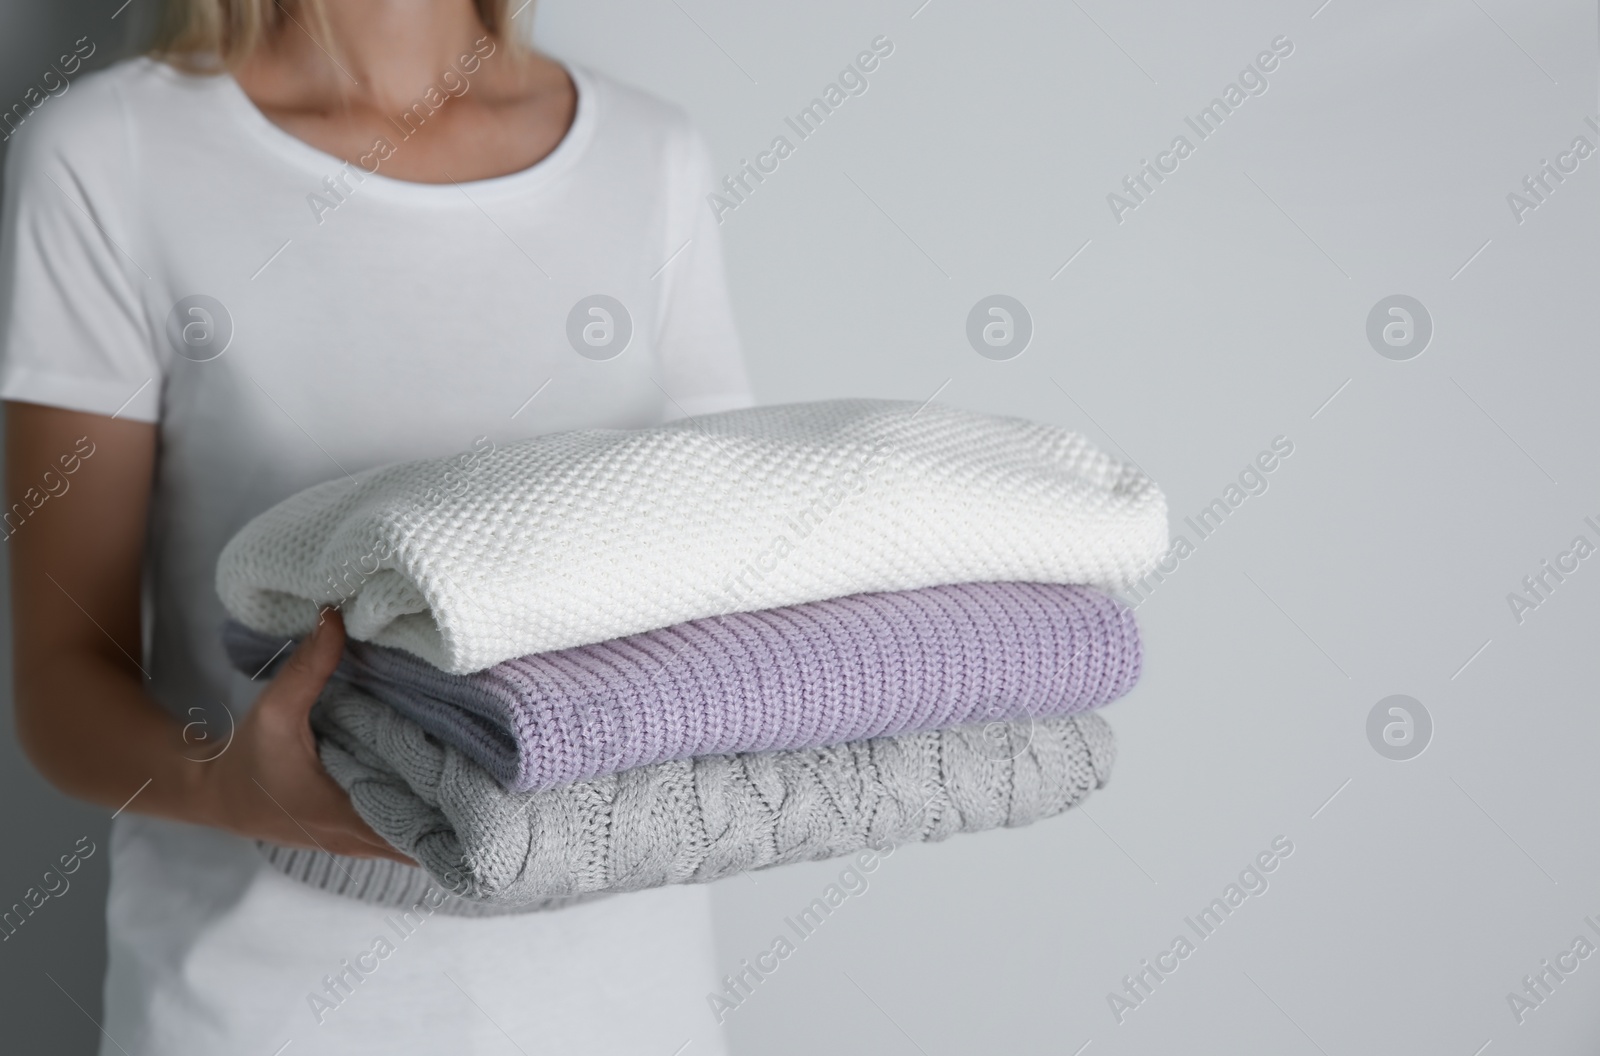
x=84, y=715
x=94, y=733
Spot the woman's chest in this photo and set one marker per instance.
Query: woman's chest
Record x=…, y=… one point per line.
x=382, y=334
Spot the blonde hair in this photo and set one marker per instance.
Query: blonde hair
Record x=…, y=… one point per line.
x=200, y=35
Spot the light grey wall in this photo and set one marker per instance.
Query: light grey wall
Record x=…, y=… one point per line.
x=1221, y=313
x=1228, y=309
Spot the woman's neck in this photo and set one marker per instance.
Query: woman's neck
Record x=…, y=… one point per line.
x=420, y=79
x=383, y=53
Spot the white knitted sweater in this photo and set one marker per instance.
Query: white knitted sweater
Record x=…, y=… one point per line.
x=584, y=536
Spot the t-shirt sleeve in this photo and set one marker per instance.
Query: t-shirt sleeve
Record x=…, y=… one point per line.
x=700, y=354
x=73, y=330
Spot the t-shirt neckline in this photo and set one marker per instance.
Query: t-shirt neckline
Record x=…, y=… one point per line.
x=319, y=162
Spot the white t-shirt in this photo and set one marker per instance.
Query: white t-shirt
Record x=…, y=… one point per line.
x=348, y=320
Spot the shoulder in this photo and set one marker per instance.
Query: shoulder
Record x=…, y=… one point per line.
x=631, y=114
x=86, y=121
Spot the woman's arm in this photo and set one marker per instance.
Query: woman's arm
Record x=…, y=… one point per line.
x=83, y=715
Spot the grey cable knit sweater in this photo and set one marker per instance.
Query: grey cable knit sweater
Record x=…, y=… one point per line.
x=687, y=821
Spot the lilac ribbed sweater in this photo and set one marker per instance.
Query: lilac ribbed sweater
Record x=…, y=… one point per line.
x=805, y=676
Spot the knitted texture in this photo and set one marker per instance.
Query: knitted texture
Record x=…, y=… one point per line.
x=806, y=676
x=384, y=883
x=688, y=821
x=585, y=536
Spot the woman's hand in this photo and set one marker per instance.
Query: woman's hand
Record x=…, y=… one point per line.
x=270, y=783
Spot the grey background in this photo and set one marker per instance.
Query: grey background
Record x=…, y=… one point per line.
x=1223, y=312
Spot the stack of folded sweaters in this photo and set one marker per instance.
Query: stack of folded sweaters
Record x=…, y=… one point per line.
x=608, y=660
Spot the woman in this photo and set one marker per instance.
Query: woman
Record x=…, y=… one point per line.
x=298, y=240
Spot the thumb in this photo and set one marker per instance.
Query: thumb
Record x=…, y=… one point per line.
x=313, y=661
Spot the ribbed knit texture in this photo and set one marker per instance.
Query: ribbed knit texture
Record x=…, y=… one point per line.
x=689, y=821
x=591, y=535
x=381, y=882
x=805, y=676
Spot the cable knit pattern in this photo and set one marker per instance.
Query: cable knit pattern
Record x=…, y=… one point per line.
x=800, y=677
x=688, y=821
x=590, y=535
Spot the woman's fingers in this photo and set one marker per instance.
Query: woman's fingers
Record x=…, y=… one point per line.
x=332, y=831
x=351, y=822
x=296, y=687
x=354, y=845
x=285, y=755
